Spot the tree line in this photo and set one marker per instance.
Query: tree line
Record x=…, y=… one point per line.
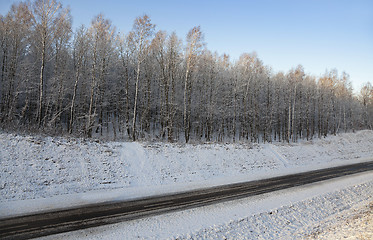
x=148, y=84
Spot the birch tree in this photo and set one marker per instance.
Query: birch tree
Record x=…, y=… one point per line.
x=154, y=89
x=142, y=31
x=126, y=51
x=62, y=36
x=366, y=97
x=193, y=49
x=102, y=35
x=80, y=45
x=48, y=15
x=15, y=32
x=173, y=56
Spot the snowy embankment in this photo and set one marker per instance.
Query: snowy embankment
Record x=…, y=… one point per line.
x=73, y=171
x=302, y=212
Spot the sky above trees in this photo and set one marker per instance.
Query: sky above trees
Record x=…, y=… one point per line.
x=319, y=34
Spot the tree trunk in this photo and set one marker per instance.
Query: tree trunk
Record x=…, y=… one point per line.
x=135, y=104
x=186, y=114
x=41, y=87
x=73, y=101
x=293, y=116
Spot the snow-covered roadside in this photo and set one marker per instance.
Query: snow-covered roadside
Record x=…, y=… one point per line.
x=287, y=214
x=29, y=206
x=356, y=223
x=40, y=173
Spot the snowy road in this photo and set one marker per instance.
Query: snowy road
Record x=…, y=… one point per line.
x=293, y=213
x=89, y=216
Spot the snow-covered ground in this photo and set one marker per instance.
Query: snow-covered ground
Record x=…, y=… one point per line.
x=357, y=223
x=297, y=213
x=40, y=173
x=34, y=167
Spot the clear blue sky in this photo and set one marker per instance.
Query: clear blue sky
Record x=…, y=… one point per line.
x=319, y=34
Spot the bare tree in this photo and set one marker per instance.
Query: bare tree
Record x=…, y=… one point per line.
x=155, y=89
x=15, y=34
x=102, y=35
x=193, y=49
x=80, y=45
x=48, y=15
x=366, y=97
x=4, y=40
x=126, y=50
x=61, y=65
x=142, y=32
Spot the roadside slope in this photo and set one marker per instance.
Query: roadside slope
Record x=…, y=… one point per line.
x=287, y=214
x=39, y=168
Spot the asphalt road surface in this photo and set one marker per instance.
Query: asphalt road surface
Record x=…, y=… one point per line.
x=64, y=220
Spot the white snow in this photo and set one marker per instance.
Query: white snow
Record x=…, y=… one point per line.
x=41, y=173
x=287, y=214
x=354, y=224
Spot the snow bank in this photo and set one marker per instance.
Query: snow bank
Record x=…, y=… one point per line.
x=356, y=224
x=294, y=213
x=296, y=219
x=34, y=167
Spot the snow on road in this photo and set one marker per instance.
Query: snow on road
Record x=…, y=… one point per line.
x=287, y=214
x=40, y=173
x=40, y=167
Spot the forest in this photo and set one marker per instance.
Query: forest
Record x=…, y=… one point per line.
x=147, y=84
